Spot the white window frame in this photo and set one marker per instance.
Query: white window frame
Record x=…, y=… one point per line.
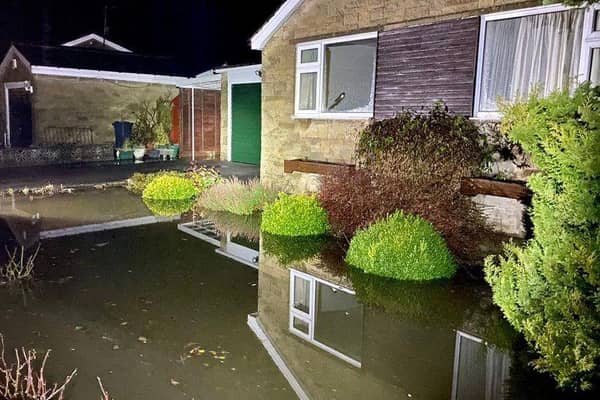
x=590, y=41
x=319, y=68
x=589, y=37
x=310, y=318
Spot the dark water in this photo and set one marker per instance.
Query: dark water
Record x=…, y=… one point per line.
x=165, y=313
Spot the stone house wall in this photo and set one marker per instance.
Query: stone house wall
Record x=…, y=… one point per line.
x=284, y=137
x=67, y=103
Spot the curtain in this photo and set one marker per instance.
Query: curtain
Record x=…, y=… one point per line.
x=538, y=52
x=308, y=91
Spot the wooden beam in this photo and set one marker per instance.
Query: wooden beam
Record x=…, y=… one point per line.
x=508, y=189
x=314, y=167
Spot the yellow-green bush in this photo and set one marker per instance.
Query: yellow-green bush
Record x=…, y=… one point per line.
x=295, y=215
x=169, y=187
x=402, y=246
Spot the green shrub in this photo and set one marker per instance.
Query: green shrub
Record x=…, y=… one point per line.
x=402, y=246
x=202, y=178
x=295, y=215
x=237, y=197
x=138, y=181
x=169, y=187
x=169, y=208
x=550, y=289
x=292, y=249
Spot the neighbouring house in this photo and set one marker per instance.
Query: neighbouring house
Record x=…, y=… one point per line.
x=59, y=102
x=330, y=66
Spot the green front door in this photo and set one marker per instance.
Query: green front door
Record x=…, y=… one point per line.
x=245, y=123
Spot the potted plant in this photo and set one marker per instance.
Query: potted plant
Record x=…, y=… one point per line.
x=125, y=152
x=152, y=126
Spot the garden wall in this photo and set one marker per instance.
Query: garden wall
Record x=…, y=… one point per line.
x=63, y=154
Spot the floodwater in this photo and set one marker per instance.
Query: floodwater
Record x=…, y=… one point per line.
x=168, y=308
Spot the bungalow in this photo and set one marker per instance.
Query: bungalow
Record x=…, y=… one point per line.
x=328, y=67
x=71, y=94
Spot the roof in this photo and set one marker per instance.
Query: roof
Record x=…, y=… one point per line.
x=97, y=59
x=92, y=37
x=260, y=38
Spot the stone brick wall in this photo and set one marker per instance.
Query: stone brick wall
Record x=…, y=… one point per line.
x=65, y=154
x=60, y=102
x=284, y=137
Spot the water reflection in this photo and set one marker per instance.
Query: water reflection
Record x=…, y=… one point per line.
x=320, y=310
x=236, y=247
x=351, y=335
x=481, y=370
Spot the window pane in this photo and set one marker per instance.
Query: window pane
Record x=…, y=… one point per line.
x=596, y=21
x=595, y=67
x=308, y=56
x=308, y=91
x=526, y=53
x=301, y=325
x=338, y=311
x=350, y=76
x=302, y=294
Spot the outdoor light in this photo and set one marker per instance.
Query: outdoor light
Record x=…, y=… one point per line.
x=28, y=87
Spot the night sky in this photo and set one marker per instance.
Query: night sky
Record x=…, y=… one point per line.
x=198, y=34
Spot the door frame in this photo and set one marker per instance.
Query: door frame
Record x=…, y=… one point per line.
x=238, y=76
x=7, y=86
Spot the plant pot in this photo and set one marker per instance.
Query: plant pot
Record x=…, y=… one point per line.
x=139, y=153
x=153, y=154
x=123, y=154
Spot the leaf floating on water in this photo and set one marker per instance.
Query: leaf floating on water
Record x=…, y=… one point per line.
x=73, y=251
x=124, y=323
x=143, y=339
x=116, y=347
x=101, y=244
x=174, y=382
x=79, y=328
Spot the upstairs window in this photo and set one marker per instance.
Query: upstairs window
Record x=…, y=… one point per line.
x=335, y=78
x=540, y=49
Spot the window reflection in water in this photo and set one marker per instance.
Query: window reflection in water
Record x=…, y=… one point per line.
x=326, y=315
x=480, y=370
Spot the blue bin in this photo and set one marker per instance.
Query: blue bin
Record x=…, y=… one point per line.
x=122, y=132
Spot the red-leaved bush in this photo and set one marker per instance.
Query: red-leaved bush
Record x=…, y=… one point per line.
x=413, y=162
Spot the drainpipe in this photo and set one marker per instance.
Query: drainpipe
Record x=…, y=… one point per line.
x=193, y=128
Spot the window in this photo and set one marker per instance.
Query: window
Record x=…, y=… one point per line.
x=320, y=310
x=590, y=52
x=335, y=78
x=537, y=49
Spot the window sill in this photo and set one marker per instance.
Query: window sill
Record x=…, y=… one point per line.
x=334, y=116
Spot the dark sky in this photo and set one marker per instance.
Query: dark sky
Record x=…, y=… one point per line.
x=199, y=34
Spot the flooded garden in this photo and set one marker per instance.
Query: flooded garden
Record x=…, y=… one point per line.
x=184, y=307
x=386, y=282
